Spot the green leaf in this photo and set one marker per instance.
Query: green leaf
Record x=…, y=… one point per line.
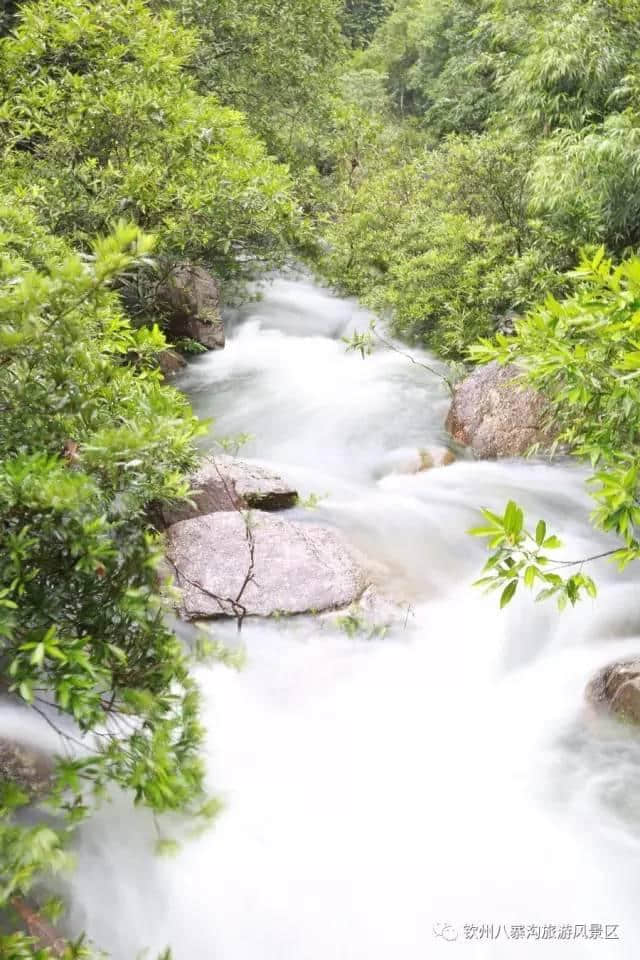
x=552, y=543
x=25, y=690
x=507, y=593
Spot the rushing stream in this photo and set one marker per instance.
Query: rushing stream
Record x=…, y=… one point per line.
x=381, y=793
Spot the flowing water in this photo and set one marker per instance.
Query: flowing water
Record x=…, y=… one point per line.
x=383, y=792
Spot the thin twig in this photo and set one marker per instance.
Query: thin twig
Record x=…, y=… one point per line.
x=407, y=356
x=577, y=563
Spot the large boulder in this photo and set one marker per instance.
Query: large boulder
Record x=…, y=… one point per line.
x=495, y=416
x=189, y=298
x=30, y=768
x=223, y=483
x=617, y=688
x=230, y=564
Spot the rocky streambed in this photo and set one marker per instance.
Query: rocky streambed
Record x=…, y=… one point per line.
x=379, y=786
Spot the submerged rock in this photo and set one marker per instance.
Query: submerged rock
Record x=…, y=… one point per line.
x=229, y=565
x=416, y=459
x=373, y=613
x=27, y=766
x=223, y=483
x=431, y=457
x=617, y=688
x=189, y=298
x=495, y=416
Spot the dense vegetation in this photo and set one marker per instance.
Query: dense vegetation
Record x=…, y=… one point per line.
x=503, y=150
x=445, y=160
x=583, y=354
x=121, y=155
x=508, y=141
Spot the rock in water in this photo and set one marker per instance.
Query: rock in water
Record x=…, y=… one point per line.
x=274, y=566
x=27, y=766
x=416, y=459
x=224, y=483
x=432, y=457
x=495, y=416
x=190, y=300
x=617, y=687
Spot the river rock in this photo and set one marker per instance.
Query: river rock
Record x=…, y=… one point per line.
x=226, y=568
x=617, y=688
x=27, y=766
x=416, y=459
x=189, y=298
x=224, y=483
x=171, y=362
x=496, y=417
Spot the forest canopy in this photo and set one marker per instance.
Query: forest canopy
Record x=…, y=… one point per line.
x=516, y=138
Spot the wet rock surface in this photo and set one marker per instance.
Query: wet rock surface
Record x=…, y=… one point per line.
x=171, y=362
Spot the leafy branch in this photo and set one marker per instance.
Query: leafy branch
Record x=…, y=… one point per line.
x=520, y=557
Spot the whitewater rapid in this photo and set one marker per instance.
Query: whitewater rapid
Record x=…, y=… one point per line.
x=388, y=798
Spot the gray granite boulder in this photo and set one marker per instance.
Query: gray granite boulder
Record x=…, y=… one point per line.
x=233, y=564
x=496, y=416
x=223, y=483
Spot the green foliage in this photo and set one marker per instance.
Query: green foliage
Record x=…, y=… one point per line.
x=276, y=62
x=514, y=143
x=585, y=182
x=441, y=59
x=583, y=354
x=7, y=15
x=361, y=19
x=572, y=58
x=113, y=126
x=88, y=441
x=445, y=242
x=353, y=624
x=519, y=557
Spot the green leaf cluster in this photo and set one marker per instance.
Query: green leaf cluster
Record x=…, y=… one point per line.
x=101, y=118
x=583, y=353
x=519, y=557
